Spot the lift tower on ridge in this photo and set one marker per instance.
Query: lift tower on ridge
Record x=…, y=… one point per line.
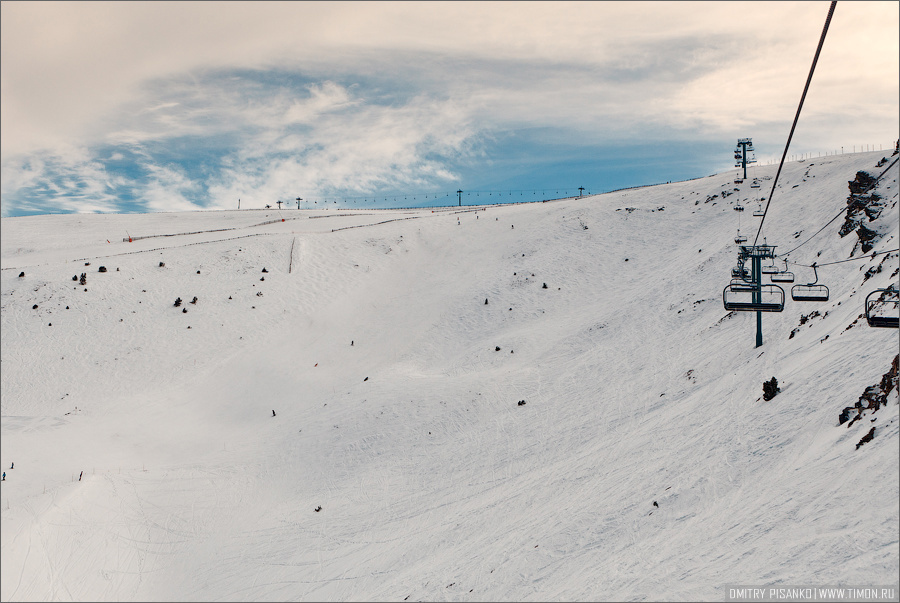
x=743, y=154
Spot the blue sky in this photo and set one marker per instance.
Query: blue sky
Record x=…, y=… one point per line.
x=172, y=106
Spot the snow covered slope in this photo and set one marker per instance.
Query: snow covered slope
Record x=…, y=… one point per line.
x=445, y=426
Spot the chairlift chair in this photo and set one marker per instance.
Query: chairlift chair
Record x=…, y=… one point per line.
x=810, y=291
x=783, y=276
x=770, y=269
x=877, y=319
x=738, y=207
x=745, y=298
x=741, y=286
x=740, y=272
x=740, y=238
x=759, y=213
x=754, y=185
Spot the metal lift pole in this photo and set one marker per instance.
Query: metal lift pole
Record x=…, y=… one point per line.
x=756, y=274
x=745, y=161
x=744, y=157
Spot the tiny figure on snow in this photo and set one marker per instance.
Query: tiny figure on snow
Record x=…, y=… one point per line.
x=273, y=413
x=4, y=476
x=79, y=475
x=12, y=465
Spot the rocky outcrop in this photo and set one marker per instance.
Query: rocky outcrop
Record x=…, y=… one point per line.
x=874, y=397
x=862, y=208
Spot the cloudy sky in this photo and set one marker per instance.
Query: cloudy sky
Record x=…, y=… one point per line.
x=167, y=106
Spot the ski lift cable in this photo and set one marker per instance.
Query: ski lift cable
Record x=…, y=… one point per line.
x=843, y=210
x=862, y=257
x=812, y=69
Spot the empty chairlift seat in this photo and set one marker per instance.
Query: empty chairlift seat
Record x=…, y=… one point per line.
x=782, y=277
x=814, y=293
x=811, y=291
x=884, y=310
x=750, y=298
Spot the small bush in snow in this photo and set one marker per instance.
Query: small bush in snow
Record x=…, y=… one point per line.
x=770, y=389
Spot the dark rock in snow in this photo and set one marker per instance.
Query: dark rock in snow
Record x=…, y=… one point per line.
x=846, y=414
x=866, y=438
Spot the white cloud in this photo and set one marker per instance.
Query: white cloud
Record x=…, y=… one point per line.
x=168, y=189
x=66, y=66
x=356, y=90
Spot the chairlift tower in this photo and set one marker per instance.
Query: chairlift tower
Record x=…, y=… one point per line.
x=743, y=154
x=756, y=254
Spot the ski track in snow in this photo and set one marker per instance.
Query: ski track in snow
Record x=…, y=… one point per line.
x=432, y=482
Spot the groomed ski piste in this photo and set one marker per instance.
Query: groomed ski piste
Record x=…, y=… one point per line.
x=445, y=426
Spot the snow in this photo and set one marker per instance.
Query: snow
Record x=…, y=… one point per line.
x=433, y=482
